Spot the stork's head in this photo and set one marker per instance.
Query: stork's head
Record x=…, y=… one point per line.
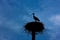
x=33, y=14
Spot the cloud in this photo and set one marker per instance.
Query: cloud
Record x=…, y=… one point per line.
x=9, y=14
x=55, y=19
x=8, y=34
x=11, y=24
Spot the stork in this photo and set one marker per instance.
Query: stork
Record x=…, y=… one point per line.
x=35, y=18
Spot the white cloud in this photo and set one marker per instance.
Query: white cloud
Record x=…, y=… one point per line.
x=4, y=22
x=55, y=19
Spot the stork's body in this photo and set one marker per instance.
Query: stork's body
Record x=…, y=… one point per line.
x=35, y=18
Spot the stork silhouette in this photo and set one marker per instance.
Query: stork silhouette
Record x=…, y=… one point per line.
x=35, y=18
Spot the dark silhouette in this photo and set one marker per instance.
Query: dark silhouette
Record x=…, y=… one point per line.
x=34, y=27
x=35, y=18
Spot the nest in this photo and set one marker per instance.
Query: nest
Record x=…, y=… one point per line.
x=34, y=27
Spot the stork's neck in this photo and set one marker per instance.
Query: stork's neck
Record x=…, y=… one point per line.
x=33, y=14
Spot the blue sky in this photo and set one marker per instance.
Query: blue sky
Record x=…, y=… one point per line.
x=15, y=13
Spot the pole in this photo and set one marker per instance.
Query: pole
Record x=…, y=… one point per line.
x=33, y=35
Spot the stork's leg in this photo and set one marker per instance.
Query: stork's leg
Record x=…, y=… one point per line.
x=35, y=20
